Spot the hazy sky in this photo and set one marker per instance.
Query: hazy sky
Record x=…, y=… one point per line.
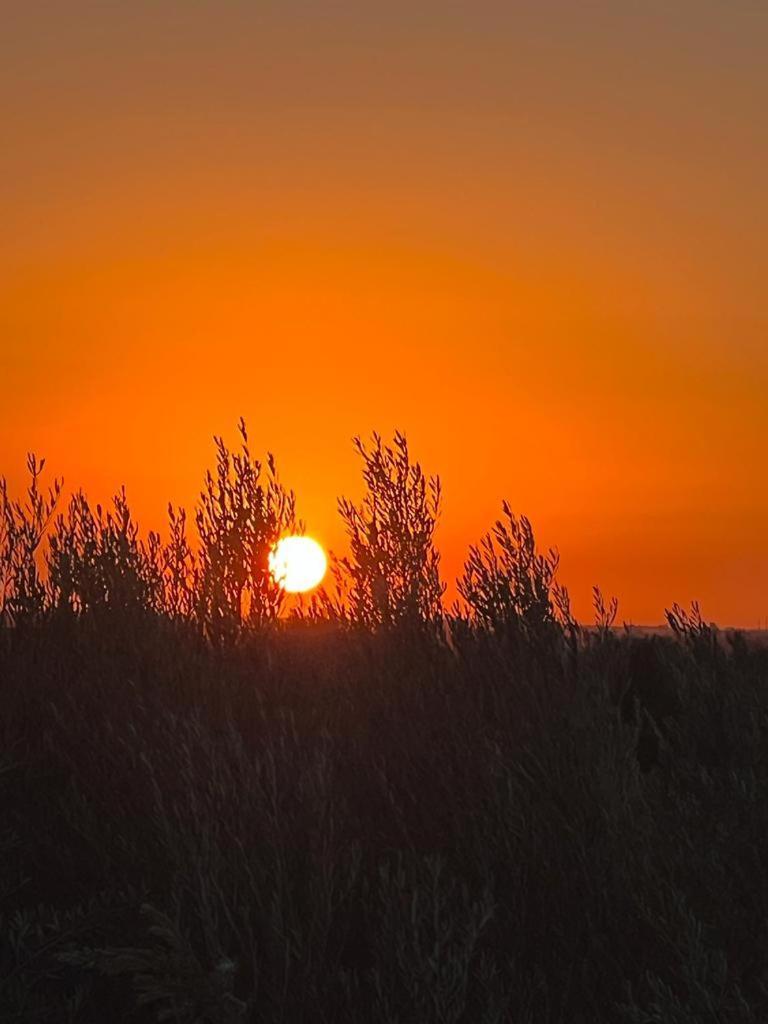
x=532, y=235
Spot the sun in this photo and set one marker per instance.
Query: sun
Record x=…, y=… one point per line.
x=297, y=564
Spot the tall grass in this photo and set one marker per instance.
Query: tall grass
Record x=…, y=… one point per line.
x=382, y=811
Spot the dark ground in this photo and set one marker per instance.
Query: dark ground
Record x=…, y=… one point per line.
x=321, y=824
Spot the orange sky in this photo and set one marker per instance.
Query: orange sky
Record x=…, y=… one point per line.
x=534, y=236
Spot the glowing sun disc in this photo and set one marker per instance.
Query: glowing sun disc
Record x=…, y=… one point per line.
x=297, y=564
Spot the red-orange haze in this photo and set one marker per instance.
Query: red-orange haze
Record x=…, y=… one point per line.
x=533, y=236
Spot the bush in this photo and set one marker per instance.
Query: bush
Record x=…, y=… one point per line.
x=240, y=517
x=507, y=583
x=392, y=574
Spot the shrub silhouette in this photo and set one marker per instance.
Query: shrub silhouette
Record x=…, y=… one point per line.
x=243, y=511
x=97, y=561
x=23, y=526
x=392, y=574
x=507, y=584
x=180, y=570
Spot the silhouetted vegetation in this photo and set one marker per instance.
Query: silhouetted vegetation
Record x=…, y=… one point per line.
x=378, y=809
x=392, y=574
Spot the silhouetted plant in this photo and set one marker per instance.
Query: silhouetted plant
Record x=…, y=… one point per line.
x=97, y=560
x=688, y=624
x=605, y=614
x=392, y=573
x=22, y=528
x=179, y=568
x=242, y=512
x=507, y=583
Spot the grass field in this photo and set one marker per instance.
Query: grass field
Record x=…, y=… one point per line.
x=382, y=811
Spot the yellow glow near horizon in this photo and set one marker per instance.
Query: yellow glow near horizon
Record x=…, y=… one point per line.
x=297, y=564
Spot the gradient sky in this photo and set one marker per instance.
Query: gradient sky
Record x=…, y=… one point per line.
x=532, y=235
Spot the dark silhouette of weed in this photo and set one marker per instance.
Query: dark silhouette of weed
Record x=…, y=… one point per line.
x=392, y=573
x=242, y=513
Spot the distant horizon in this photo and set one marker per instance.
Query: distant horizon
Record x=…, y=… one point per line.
x=582, y=604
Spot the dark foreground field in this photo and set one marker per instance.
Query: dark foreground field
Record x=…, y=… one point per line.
x=319, y=823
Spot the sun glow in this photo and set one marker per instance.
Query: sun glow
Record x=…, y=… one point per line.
x=297, y=564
